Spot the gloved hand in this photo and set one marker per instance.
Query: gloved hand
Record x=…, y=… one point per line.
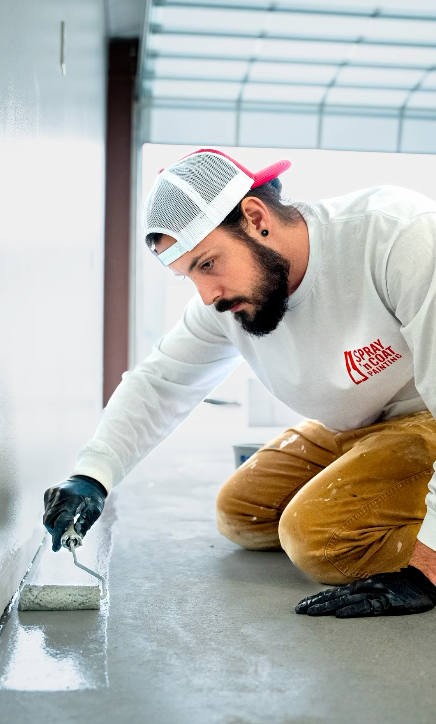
x=79, y=495
x=384, y=594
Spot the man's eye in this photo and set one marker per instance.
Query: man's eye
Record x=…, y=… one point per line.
x=207, y=266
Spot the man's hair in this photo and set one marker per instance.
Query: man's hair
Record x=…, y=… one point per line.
x=271, y=195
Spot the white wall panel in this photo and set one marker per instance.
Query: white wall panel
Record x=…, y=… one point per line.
x=419, y=136
x=296, y=130
x=51, y=256
x=359, y=133
x=184, y=126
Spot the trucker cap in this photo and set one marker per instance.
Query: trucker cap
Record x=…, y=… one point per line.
x=193, y=196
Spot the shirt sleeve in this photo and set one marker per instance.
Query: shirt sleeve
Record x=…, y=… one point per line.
x=158, y=394
x=411, y=287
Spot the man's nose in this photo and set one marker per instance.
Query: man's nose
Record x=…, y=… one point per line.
x=209, y=291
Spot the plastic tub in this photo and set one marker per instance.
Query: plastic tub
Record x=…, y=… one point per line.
x=244, y=451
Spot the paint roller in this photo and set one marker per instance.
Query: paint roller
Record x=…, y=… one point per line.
x=65, y=597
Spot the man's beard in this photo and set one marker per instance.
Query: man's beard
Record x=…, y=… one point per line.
x=270, y=295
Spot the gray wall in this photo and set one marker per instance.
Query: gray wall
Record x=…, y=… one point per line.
x=51, y=257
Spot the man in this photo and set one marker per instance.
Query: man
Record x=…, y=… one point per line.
x=333, y=306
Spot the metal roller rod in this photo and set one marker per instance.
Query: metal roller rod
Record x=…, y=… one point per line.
x=103, y=593
x=72, y=540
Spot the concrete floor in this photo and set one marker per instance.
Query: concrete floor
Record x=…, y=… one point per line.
x=198, y=631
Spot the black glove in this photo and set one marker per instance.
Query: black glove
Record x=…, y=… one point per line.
x=384, y=594
x=79, y=495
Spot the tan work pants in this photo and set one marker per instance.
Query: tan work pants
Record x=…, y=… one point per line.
x=343, y=505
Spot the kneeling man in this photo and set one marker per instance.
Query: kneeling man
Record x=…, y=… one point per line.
x=333, y=305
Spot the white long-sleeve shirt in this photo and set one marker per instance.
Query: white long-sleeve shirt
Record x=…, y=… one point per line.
x=357, y=344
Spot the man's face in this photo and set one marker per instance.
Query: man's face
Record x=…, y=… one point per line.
x=246, y=278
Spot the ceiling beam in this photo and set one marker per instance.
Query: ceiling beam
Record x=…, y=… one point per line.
x=293, y=107
x=198, y=79
x=299, y=10
x=206, y=33
x=155, y=54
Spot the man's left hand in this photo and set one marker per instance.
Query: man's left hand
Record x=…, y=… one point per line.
x=384, y=594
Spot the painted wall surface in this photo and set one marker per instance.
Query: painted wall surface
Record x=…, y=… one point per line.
x=52, y=129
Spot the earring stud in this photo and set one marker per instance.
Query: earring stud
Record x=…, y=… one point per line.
x=264, y=232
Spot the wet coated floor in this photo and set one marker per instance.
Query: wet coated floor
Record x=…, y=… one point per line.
x=199, y=631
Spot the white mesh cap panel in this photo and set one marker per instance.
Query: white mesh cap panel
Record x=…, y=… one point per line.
x=191, y=198
x=160, y=210
x=207, y=173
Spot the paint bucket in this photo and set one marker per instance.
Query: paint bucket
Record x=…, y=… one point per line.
x=244, y=451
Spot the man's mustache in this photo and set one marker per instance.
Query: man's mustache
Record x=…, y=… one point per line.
x=224, y=305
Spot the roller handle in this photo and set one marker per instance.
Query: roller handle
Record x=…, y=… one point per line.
x=71, y=538
x=103, y=592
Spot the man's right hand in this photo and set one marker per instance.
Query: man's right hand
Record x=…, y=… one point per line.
x=79, y=495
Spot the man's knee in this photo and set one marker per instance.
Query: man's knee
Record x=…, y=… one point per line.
x=304, y=537
x=226, y=517
x=243, y=522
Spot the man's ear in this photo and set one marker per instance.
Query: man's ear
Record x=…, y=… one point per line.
x=256, y=213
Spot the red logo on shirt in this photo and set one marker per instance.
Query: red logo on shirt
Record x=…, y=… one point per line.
x=368, y=361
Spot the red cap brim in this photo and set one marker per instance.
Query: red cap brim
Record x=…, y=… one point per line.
x=270, y=172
